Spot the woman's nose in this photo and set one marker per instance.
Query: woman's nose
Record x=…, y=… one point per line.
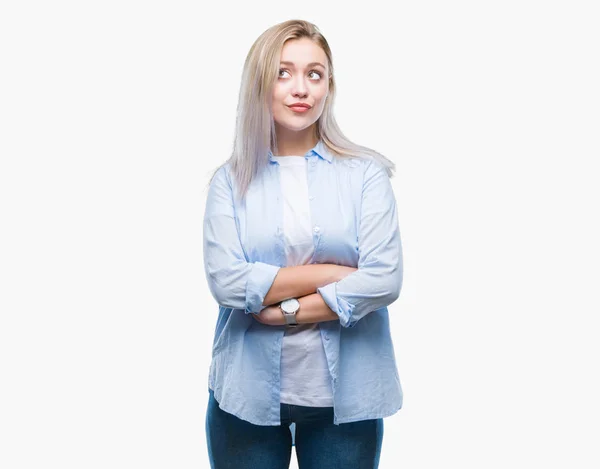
x=300, y=88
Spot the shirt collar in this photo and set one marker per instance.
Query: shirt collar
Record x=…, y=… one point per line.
x=319, y=150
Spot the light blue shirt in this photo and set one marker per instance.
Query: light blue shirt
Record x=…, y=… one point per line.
x=355, y=223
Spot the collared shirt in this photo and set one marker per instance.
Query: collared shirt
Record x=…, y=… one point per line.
x=354, y=223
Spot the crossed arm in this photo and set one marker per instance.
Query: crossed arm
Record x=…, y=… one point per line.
x=302, y=282
x=325, y=291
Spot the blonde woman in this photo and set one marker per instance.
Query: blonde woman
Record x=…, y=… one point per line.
x=302, y=253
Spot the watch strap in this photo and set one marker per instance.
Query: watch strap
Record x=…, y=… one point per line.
x=290, y=320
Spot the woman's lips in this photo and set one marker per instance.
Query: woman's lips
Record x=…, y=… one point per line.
x=299, y=108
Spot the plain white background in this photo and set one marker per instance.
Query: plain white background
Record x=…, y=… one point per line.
x=114, y=113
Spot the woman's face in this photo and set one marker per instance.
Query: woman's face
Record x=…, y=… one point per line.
x=303, y=78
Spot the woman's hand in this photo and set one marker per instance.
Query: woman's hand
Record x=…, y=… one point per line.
x=270, y=316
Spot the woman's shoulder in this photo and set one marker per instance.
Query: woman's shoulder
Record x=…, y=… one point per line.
x=221, y=173
x=366, y=165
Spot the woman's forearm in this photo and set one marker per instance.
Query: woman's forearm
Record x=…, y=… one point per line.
x=314, y=309
x=302, y=280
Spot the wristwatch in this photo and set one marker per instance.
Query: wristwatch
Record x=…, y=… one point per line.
x=289, y=308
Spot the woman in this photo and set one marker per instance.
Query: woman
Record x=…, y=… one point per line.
x=302, y=253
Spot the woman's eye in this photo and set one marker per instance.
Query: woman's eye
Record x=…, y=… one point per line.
x=281, y=70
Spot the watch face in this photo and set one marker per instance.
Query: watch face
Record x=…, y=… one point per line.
x=290, y=306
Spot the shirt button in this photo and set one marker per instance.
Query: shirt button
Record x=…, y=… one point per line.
x=326, y=337
x=316, y=229
x=311, y=197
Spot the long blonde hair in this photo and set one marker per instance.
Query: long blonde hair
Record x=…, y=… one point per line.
x=255, y=126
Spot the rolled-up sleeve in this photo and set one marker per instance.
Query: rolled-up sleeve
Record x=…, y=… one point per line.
x=378, y=280
x=233, y=281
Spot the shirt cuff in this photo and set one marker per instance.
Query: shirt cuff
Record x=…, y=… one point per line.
x=338, y=305
x=259, y=282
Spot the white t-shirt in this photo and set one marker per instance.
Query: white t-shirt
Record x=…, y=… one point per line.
x=305, y=377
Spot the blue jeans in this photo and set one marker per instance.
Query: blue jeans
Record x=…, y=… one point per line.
x=237, y=444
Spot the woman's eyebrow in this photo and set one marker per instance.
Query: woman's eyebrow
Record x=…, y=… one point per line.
x=312, y=64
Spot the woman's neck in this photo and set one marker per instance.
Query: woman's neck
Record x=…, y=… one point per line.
x=295, y=143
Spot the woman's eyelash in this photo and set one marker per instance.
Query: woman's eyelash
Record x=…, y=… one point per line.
x=311, y=71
